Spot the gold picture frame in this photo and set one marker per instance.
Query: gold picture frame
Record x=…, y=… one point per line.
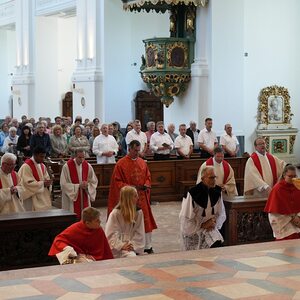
x=274, y=106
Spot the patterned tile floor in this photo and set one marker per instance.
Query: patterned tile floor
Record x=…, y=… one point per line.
x=257, y=271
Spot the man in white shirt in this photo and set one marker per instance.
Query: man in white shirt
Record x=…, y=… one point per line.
x=262, y=170
x=202, y=214
x=105, y=147
x=229, y=142
x=193, y=133
x=207, y=139
x=138, y=135
x=183, y=144
x=161, y=143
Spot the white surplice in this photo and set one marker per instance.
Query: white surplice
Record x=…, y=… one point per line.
x=10, y=203
x=70, y=190
x=193, y=236
x=118, y=232
x=254, y=183
x=36, y=196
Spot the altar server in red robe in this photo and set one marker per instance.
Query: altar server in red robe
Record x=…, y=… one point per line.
x=133, y=170
x=283, y=206
x=85, y=238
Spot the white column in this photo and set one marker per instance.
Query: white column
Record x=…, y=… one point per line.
x=199, y=70
x=88, y=76
x=23, y=79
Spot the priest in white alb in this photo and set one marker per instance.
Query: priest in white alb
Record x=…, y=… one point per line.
x=202, y=214
x=78, y=184
x=36, y=182
x=10, y=188
x=224, y=172
x=262, y=170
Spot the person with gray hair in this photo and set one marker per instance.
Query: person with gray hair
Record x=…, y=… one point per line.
x=10, y=189
x=202, y=214
x=10, y=142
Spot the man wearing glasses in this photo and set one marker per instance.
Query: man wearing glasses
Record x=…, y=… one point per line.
x=203, y=214
x=283, y=206
x=262, y=170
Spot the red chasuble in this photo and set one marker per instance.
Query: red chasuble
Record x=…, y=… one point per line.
x=128, y=171
x=284, y=199
x=272, y=163
x=14, y=179
x=75, y=180
x=210, y=162
x=34, y=170
x=84, y=241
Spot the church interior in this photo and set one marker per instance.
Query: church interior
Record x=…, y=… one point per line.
x=235, y=61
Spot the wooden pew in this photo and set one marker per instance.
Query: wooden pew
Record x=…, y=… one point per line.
x=246, y=221
x=27, y=237
x=171, y=179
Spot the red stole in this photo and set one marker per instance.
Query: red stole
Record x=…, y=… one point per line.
x=13, y=177
x=75, y=180
x=284, y=199
x=272, y=163
x=210, y=162
x=34, y=170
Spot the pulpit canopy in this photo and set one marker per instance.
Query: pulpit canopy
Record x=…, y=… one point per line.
x=158, y=5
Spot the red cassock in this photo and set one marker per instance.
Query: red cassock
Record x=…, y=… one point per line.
x=284, y=199
x=84, y=241
x=132, y=172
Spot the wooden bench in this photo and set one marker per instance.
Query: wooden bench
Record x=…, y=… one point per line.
x=246, y=221
x=27, y=237
x=170, y=178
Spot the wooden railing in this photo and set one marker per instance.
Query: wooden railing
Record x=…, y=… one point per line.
x=170, y=179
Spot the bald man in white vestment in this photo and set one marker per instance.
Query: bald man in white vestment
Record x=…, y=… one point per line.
x=10, y=189
x=262, y=170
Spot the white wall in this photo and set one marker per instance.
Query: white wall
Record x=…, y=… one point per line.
x=272, y=40
x=55, y=61
x=66, y=36
x=123, y=47
x=7, y=66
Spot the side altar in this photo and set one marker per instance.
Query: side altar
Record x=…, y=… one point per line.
x=274, y=122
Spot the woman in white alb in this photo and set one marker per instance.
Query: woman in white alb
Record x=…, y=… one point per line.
x=125, y=226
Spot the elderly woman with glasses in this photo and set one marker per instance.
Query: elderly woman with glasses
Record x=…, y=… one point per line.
x=79, y=141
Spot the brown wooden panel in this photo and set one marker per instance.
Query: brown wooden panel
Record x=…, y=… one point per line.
x=170, y=179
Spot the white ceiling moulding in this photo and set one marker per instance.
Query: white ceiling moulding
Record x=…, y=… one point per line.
x=7, y=13
x=60, y=8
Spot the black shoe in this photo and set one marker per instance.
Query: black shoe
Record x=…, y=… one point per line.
x=149, y=251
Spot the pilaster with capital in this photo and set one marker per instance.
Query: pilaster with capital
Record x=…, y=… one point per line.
x=88, y=76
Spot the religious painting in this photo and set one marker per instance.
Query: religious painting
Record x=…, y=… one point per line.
x=275, y=109
x=279, y=146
